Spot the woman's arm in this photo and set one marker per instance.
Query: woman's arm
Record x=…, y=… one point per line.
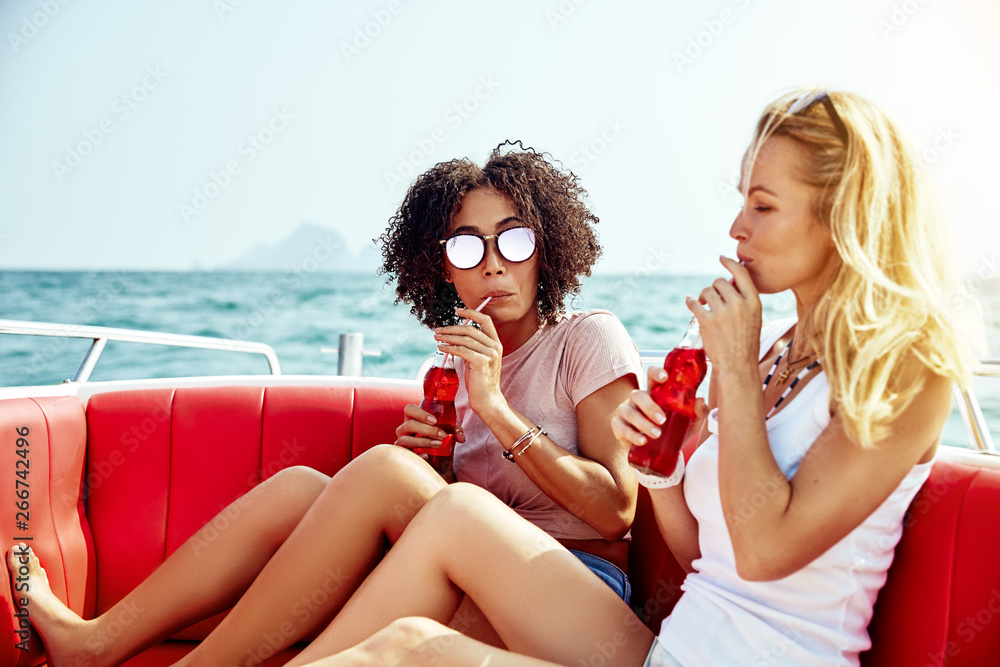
x=837, y=485
x=633, y=424
x=597, y=485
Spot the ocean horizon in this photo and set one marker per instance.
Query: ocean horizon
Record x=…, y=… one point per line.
x=301, y=314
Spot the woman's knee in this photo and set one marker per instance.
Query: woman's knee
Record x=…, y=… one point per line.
x=395, y=468
x=292, y=491
x=412, y=640
x=477, y=515
x=462, y=503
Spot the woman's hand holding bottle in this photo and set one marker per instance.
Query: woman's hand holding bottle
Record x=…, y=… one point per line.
x=482, y=353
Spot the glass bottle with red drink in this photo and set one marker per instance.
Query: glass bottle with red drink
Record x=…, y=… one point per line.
x=686, y=368
x=440, y=388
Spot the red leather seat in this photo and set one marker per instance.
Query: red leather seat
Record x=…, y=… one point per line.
x=941, y=603
x=161, y=463
x=44, y=446
x=164, y=462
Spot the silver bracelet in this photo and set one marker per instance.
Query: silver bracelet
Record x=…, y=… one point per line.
x=658, y=482
x=533, y=438
x=533, y=431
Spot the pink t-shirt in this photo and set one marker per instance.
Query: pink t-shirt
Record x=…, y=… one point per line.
x=544, y=379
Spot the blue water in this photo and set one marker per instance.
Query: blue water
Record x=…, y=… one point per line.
x=299, y=314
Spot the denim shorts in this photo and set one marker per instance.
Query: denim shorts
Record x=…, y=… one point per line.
x=608, y=572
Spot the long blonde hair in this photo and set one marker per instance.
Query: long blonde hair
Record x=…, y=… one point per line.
x=890, y=297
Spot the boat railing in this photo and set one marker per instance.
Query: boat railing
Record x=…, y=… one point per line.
x=351, y=351
x=965, y=399
x=968, y=407
x=100, y=336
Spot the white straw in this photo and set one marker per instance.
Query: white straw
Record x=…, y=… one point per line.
x=479, y=309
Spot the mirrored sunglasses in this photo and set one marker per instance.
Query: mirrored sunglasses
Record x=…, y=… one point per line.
x=466, y=251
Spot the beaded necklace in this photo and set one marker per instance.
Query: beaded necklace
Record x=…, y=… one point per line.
x=798, y=377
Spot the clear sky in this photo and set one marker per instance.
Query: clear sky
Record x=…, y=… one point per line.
x=178, y=135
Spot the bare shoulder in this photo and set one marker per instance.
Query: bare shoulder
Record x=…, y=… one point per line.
x=916, y=428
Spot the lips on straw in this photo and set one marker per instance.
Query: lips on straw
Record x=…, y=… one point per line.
x=465, y=322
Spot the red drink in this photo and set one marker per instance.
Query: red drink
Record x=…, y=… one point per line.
x=440, y=387
x=686, y=368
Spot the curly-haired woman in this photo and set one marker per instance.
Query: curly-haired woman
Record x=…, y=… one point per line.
x=829, y=423
x=538, y=387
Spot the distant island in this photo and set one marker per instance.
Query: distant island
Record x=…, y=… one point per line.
x=310, y=247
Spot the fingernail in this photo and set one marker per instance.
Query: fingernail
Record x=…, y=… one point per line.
x=642, y=440
x=432, y=419
x=661, y=376
x=442, y=435
x=656, y=432
x=659, y=418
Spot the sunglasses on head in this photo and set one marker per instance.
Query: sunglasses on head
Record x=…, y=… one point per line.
x=466, y=251
x=810, y=99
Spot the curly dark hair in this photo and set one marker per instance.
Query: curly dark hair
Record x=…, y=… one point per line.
x=550, y=200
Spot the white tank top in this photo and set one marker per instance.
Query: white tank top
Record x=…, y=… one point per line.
x=817, y=616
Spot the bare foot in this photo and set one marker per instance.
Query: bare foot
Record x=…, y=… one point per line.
x=63, y=633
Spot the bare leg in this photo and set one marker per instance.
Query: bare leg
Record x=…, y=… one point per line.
x=421, y=642
x=364, y=508
x=541, y=599
x=204, y=576
x=471, y=622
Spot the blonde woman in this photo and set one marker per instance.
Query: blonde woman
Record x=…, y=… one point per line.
x=828, y=422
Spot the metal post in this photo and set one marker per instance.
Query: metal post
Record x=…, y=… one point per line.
x=350, y=354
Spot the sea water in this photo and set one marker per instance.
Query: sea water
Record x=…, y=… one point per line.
x=302, y=315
